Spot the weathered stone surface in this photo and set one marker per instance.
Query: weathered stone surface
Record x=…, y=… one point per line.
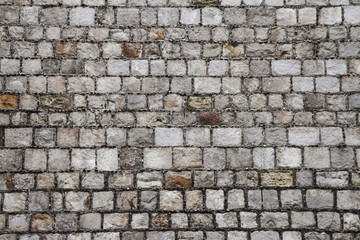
x=274, y=220
x=247, y=178
x=132, y=50
x=348, y=199
x=206, y=1
x=66, y=222
x=214, y=199
x=174, y=180
x=148, y=200
x=156, y=33
x=187, y=158
x=179, y=119
x=160, y=220
x=42, y=222
x=77, y=201
x=171, y=200
x=277, y=178
x=116, y=220
x=200, y=102
x=14, y=202
x=157, y=158
x=149, y=180
x=8, y=102
x=90, y=221
x=64, y=49
x=233, y=50
x=57, y=102
x=319, y=198
x=121, y=180
x=130, y=158
x=332, y=179
x=10, y=160
x=201, y=220
x=194, y=199
x=209, y=119
x=126, y=200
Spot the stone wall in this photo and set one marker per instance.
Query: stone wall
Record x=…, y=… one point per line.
x=179, y=119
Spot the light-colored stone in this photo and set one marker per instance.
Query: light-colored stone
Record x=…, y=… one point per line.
x=288, y=157
x=171, y=200
x=157, y=158
x=227, y=137
x=82, y=16
x=215, y=199
x=277, y=178
x=301, y=136
x=168, y=137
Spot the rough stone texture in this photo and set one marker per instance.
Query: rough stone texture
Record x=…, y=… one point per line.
x=283, y=179
x=8, y=102
x=179, y=119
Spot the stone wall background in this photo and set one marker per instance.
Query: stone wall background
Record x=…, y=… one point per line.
x=179, y=119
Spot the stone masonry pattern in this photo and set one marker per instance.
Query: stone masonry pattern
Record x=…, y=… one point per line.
x=179, y=119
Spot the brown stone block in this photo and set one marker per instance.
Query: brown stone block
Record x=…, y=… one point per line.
x=8, y=102
x=42, y=222
x=160, y=220
x=178, y=180
x=56, y=102
x=132, y=50
x=64, y=49
x=151, y=50
x=9, y=181
x=209, y=118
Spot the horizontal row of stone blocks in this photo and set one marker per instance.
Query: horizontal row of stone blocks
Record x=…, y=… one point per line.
x=165, y=16
x=192, y=68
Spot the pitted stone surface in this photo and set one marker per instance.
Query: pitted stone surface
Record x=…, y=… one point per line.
x=179, y=119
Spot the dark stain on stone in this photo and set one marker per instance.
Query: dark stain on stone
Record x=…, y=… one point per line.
x=9, y=181
x=178, y=181
x=132, y=50
x=58, y=102
x=209, y=118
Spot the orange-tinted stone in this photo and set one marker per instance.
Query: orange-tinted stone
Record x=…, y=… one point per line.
x=178, y=182
x=8, y=102
x=64, y=49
